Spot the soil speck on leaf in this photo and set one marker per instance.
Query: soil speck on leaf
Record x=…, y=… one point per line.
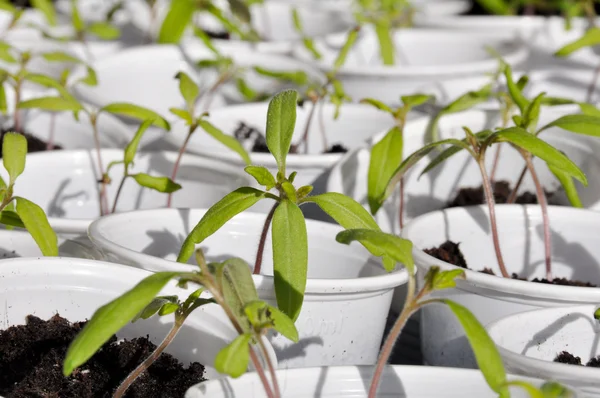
x=31, y=358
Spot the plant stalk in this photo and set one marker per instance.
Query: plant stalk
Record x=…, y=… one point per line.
x=489, y=197
x=592, y=86
x=270, y=366
x=392, y=337
x=150, y=360
x=311, y=114
x=495, y=164
x=513, y=195
x=103, y=200
x=114, y=207
x=179, y=157
x=541, y=197
x=50, y=143
x=401, y=209
x=17, y=110
x=263, y=240
x=322, y=127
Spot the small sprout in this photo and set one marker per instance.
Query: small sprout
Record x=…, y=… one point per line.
x=597, y=314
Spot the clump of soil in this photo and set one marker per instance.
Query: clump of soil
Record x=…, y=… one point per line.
x=570, y=359
x=450, y=252
x=24, y=3
x=217, y=35
x=34, y=144
x=31, y=358
x=502, y=191
x=251, y=137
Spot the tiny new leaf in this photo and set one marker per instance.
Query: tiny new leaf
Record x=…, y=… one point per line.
x=55, y=104
x=233, y=359
x=14, y=151
x=262, y=175
x=439, y=280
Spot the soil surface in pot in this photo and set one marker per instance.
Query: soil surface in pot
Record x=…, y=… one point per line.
x=31, y=360
x=253, y=139
x=570, y=359
x=450, y=252
x=34, y=144
x=502, y=191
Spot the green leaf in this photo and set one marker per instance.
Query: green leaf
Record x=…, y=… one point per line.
x=309, y=44
x=552, y=389
x=468, y=100
x=221, y=212
x=233, y=359
x=78, y=23
x=589, y=109
x=177, y=20
x=297, y=77
x=14, y=151
x=386, y=41
x=486, y=353
x=415, y=100
x=110, y=318
x=281, y=121
x=153, y=307
x=568, y=185
x=10, y=218
x=530, y=143
x=227, y=140
x=262, y=175
x=60, y=56
x=283, y=324
x=515, y=92
x=498, y=7
x=188, y=88
x=240, y=10
x=590, y=38
x=182, y=114
x=46, y=8
x=440, y=280
x=344, y=210
x=377, y=104
x=580, y=124
x=160, y=184
x=386, y=156
x=442, y=157
x=400, y=250
x=47, y=81
x=304, y=191
x=290, y=191
x=131, y=148
x=343, y=54
x=290, y=257
x=104, y=31
x=597, y=314
x=36, y=223
x=136, y=112
x=55, y=104
x=168, y=308
x=532, y=113
x=247, y=92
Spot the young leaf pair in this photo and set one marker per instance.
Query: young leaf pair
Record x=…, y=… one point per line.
x=485, y=351
x=230, y=286
x=289, y=235
x=16, y=211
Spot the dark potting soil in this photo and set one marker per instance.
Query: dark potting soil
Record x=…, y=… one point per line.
x=34, y=144
x=23, y=3
x=450, y=252
x=477, y=9
x=244, y=133
x=570, y=359
x=502, y=190
x=217, y=35
x=31, y=358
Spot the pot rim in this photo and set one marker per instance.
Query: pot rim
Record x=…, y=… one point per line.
x=381, y=282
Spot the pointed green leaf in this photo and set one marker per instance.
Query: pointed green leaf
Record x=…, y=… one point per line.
x=440, y=280
x=47, y=81
x=497, y=7
x=469, y=100
x=590, y=38
x=240, y=9
x=111, y=317
x=281, y=122
x=486, y=353
x=104, y=31
x=400, y=250
x=515, y=92
x=343, y=54
x=589, y=109
x=188, y=88
x=532, y=113
x=132, y=147
x=344, y=210
x=297, y=77
x=77, y=21
x=530, y=143
x=90, y=79
x=233, y=359
x=442, y=157
x=290, y=191
x=60, y=56
x=55, y=104
x=176, y=21
x=415, y=100
x=160, y=184
x=221, y=212
x=568, y=185
x=377, y=104
x=309, y=44
x=182, y=114
x=136, y=112
x=10, y=218
x=580, y=124
x=262, y=175
x=386, y=41
x=290, y=257
x=47, y=8
x=14, y=151
x=304, y=191
x=227, y=140
x=36, y=223
x=386, y=156
x=257, y=311
x=168, y=308
x=153, y=307
x=243, y=88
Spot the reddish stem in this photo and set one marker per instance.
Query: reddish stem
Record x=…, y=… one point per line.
x=178, y=161
x=513, y=195
x=495, y=164
x=102, y=195
x=489, y=197
x=304, y=138
x=263, y=240
x=593, y=83
x=541, y=197
x=401, y=215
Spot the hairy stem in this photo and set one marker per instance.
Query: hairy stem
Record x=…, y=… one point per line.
x=401, y=209
x=390, y=340
x=103, y=200
x=541, y=197
x=178, y=160
x=270, y=366
x=114, y=207
x=263, y=240
x=495, y=164
x=489, y=197
x=150, y=360
x=513, y=195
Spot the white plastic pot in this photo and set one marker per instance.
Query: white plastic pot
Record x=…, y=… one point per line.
x=347, y=295
x=19, y=243
x=271, y=20
x=426, y=7
x=575, y=254
x=356, y=124
x=75, y=288
x=435, y=189
x=64, y=184
x=529, y=342
x=423, y=57
x=354, y=382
